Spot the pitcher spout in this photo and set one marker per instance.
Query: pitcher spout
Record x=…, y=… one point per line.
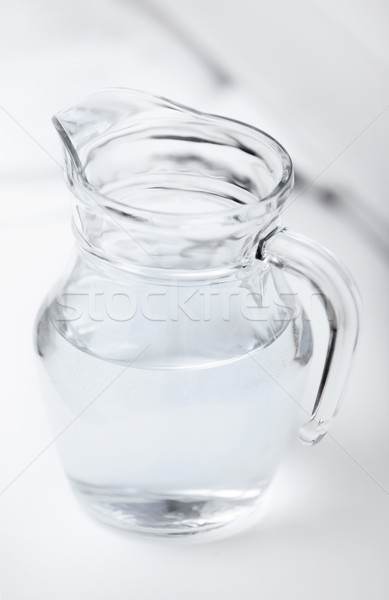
x=88, y=119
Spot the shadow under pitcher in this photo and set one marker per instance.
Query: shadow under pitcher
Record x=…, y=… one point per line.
x=173, y=352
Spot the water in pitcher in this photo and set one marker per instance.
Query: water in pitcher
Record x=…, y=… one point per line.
x=170, y=450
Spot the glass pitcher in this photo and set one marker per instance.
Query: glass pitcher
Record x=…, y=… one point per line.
x=174, y=351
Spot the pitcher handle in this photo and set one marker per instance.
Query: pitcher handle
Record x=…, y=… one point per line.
x=304, y=257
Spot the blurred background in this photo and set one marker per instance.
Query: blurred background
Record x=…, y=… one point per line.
x=314, y=75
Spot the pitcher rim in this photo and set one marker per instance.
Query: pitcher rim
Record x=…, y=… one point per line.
x=277, y=196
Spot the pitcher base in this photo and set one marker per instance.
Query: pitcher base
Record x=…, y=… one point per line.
x=167, y=514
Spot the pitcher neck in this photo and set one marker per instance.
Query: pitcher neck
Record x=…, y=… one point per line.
x=161, y=186
x=154, y=247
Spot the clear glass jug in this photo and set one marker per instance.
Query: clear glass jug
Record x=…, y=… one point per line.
x=174, y=359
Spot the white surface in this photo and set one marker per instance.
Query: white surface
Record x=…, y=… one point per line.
x=325, y=533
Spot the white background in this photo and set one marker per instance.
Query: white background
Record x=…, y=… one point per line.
x=325, y=533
